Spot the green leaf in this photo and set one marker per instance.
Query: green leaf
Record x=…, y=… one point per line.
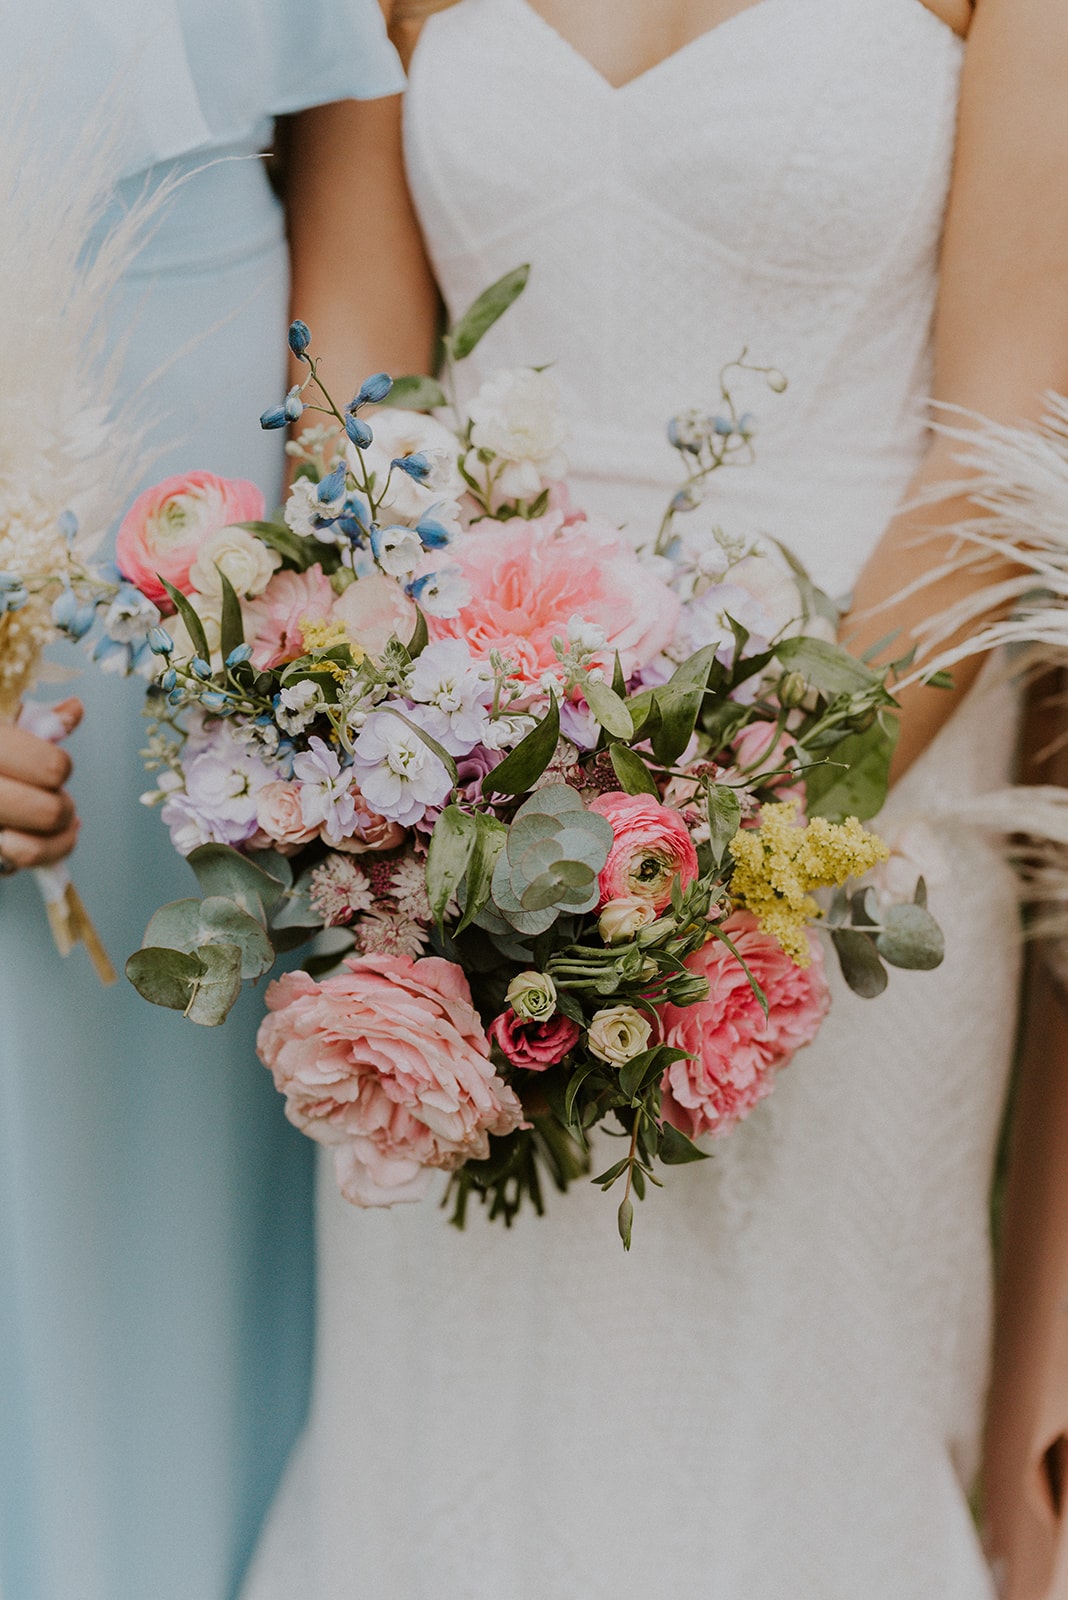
x=633, y=1071
x=480, y=317
x=859, y=961
x=295, y=552
x=678, y=706
x=224, y=923
x=631, y=771
x=853, y=780
x=194, y=626
x=420, y=638
x=609, y=1176
x=524, y=765
x=215, y=991
x=611, y=712
x=414, y=392
x=911, y=938
x=232, y=626
x=164, y=977
x=676, y=1150
x=489, y=842
x=920, y=897
x=174, y=926
x=452, y=845
x=221, y=870
x=575, y=1082
x=718, y=933
x=939, y=680
x=825, y=667
x=724, y=819
x=619, y=682
x=432, y=745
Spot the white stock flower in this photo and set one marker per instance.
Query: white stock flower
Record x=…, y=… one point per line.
x=398, y=774
x=299, y=705
x=618, y=1034
x=446, y=679
x=246, y=561
x=516, y=415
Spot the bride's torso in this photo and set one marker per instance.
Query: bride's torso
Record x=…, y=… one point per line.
x=779, y=184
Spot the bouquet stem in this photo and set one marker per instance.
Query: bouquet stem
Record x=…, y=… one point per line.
x=70, y=922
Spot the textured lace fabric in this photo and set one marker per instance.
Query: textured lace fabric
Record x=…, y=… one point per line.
x=778, y=1395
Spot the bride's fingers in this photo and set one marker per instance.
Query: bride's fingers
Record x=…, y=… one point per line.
x=30, y=809
x=27, y=850
x=30, y=761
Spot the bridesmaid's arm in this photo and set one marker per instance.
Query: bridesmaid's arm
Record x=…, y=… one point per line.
x=1001, y=336
x=360, y=278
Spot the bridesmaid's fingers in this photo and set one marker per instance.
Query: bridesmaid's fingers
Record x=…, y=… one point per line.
x=33, y=810
x=31, y=761
x=70, y=713
x=37, y=850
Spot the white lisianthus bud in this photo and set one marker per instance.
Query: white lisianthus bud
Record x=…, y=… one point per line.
x=618, y=1034
x=532, y=996
x=621, y=918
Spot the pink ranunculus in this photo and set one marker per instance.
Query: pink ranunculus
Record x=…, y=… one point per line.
x=757, y=747
x=373, y=609
x=288, y=600
x=278, y=813
x=534, y=1045
x=388, y=1062
x=166, y=525
x=652, y=847
x=528, y=579
x=736, y=1053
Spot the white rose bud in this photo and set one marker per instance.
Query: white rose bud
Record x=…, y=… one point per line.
x=247, y=562
x=621, y=919
x=532, y=996
x=618, y=1034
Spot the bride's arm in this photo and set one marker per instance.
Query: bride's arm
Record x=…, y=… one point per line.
x=1001, y=336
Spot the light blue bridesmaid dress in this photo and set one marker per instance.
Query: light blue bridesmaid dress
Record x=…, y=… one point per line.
x=155, y=1207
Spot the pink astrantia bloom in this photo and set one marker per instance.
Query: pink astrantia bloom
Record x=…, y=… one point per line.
x=387, y=1062
x=290, y=599
x=652, y=847
x=528, y=579
x=164, y=528
x=736, y=1052
x=534, y=1045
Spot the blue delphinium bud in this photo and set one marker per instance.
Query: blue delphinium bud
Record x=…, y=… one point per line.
x=417, y=466
x=64, y=608
x=332, y=486
x=747, y=425
x=373, y=390
x=67, y=523
x=294, y=405
x=82, y=620
x=358, y=431
x=13, y=598
x=200, y=667
x=299, y=337
x=241, y=652
x=160, y=642
x=434, y=534
x=213, y=700
x=168, y=680
x=175, y=696
x=275, y=417
x=723, y=426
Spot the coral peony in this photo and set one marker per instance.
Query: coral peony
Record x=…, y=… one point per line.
x=652, y=847
x=290, y=599
x=534, y=1045
x=529, y=579
x=388, y=1062
x=163, y=530
x=736, y=1052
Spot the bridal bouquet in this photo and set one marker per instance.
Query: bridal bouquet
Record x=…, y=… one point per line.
x=566, y=817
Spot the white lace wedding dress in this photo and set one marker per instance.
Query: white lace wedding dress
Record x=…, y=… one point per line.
x=778, y=1394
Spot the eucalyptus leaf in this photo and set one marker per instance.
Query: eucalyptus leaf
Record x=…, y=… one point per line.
x=221, y=870
x=859, y=961
x=611, y=712
x=491, y=304
x=194, y=626
x=414, y=392
x=174, y=926
x=163, y=976
x=911, y=938
x=216, y=989
x=524, y=765
x=224, y=923
x=631, y=771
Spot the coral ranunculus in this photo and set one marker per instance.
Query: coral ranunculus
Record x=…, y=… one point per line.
x=388, y=1062
x=165, y=527
x=528, y=579
x=652, y=847
x=534, y=1045
x=736, y=1052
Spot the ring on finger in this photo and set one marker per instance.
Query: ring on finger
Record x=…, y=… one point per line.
x=7, y=866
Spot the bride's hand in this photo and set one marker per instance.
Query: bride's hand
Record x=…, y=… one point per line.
x=38, y=823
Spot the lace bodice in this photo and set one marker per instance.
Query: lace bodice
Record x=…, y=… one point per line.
x=778, y=184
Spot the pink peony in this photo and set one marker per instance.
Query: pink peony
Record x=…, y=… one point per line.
x=534, y=1045
x=736, y=1052
x=166, y=525
x=528, y=579
x=756, y=747
x=652, y=847
x=288, y=600
x=388, y=1062
x=373, y=609
x=278, y=814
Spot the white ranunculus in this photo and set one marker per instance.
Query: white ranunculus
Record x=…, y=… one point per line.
x=248, y=563
x=516, y=416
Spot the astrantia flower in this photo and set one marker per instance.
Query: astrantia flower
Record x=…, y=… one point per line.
x=408, y=889
x=446, y=680
x=327, y=801
x=338, y=889
x=398, y=774
x=390, y=933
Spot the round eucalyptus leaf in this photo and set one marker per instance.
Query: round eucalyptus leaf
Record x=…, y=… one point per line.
x=911, y=938
x=859, y=961
x=164, y=977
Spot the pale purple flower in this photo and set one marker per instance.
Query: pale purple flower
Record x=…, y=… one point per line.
x=327, y=801
x=222, y=783
x=398, y=774
x=452, y=687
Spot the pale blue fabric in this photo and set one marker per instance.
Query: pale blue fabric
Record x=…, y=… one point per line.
x=155, y=1208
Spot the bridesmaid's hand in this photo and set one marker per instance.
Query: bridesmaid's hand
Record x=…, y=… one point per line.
x=38, y=823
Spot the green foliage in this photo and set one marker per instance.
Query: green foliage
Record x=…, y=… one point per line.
x=414, y=392
x=828, y=668
x=724, y=818
x=853, y=779
x=609, y=709
x=911, y=937
x=203, y=984
x=221, y=870
x=632, y=771
x=479, y=318
x=524, y=765
x=859, y=961
x=194, y=626
x=231, y=627
x=552, y=855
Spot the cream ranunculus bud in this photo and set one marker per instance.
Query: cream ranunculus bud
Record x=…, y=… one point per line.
x=623, y=917
x=618, y=1034
x=532, y=996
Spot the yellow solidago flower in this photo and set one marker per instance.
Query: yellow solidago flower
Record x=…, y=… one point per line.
x=325, y=635
x=777, y=865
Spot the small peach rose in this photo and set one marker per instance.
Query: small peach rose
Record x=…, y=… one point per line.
x=622, y=918
x=278, y=814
